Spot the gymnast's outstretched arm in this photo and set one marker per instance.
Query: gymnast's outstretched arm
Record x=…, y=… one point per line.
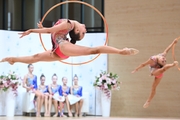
x=149, y=61
x=63, y=26
x=170, y=46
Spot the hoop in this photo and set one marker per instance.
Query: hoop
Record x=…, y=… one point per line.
x=173, y=53
x=80, y=2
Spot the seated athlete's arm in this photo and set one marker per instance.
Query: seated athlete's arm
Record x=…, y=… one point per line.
x=24, y=83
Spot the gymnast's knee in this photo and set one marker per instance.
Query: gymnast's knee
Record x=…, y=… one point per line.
x=94, y=51
x=35, y=57
x=154, y=89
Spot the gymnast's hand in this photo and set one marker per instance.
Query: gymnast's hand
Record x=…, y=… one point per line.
x=134, y=71
x=176, y=40
x=25, y=33
x=39, y=24
x=64, y=94
x=28, y=89
x=60, y=97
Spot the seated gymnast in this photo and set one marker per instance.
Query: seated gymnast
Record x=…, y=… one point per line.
x=45, y=94
x=62, y=47
x=53, y=89
x=64, y=91
x=30, y=84
x=76, y=91
x=158, y=66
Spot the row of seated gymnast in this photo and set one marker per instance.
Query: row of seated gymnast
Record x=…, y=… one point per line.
x=55, y=94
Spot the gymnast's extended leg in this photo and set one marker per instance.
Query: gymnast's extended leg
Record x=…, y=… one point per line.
x=46, y=56
x=77, y=50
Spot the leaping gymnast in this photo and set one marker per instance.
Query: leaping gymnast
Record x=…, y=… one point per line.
x=158, y=66
x=62, y=47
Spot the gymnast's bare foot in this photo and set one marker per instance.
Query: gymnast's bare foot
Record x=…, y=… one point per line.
x=130, y=51
x=8, y=59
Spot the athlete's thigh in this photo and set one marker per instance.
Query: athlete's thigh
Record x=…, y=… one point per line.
x=157, y=72
x=74, y=50
x=47, y=56
x=156, y=82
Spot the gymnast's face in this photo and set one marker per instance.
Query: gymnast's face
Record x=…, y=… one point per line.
x=43, y=80
x=31, y=68
x=75, y=80
x=80, y=29
x=54, y=79
x=64, y=80
x=162, y=60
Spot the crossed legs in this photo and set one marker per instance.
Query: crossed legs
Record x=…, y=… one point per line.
x=39, y=102
x=78, y=107
x=68, y=106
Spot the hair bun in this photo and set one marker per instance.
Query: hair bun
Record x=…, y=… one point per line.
x=73, y=41
x=75, y=75
x=42, y=75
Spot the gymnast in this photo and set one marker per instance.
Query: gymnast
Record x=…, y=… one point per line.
x=158, y=66
x=62, y=47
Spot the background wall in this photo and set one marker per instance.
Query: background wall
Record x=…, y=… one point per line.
x=150, y=26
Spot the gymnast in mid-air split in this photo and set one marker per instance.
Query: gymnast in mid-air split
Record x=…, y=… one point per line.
x=62, y=47
x=158, y=66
